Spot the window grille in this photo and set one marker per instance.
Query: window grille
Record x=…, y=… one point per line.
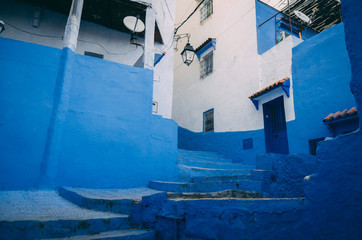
x=209, y=121
x=206, y=10
x=207, y=65
x=313, y=145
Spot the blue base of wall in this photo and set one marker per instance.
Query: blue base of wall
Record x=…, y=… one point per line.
x=229, y=144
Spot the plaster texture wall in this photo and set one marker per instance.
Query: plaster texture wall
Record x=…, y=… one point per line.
x=320, y=84
x=235, y=74
x=114, y=45
x=287, y=172
x=28, y=79
x=79, y=121
x=333, y=195
x=163, y=71
x=229, y=144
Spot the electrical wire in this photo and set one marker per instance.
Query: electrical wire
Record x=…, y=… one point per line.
x=176, y=29
x=168, y=8
x=110, y=53
x=36, y=34
x=183, y=15
x=242, y=16
x=80, y=40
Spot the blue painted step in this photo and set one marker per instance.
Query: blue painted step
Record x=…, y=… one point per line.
x=213, y=164
x=107, y=200
x=44, y=214
x=246, y=185
x=199, y=171
x=129, y=234
x=191, y=153
x=204, y=158
x=221, y=178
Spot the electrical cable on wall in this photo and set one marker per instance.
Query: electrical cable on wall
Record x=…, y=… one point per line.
x=176, y=29
x=61, y=38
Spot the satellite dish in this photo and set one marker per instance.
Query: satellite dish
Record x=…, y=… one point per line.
x=134, y=24
x=302, y=16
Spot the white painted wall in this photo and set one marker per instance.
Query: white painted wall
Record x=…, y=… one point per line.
x=92, y=37
x=163, y=72
x=114, y=45
x=275, y=65
x=238, y=69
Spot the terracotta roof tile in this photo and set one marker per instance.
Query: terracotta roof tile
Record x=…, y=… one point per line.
x=338, y=115
x=268, y=88
x=203, y=44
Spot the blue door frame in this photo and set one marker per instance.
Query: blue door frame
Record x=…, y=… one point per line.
x=275, y=127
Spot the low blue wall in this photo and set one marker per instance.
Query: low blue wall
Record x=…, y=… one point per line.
x=229, y=144
x=27, y=83
x=75, y=120
x=287, y=172
x=321, y=74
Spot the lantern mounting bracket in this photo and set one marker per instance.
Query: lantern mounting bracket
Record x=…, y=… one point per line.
x=180, y=36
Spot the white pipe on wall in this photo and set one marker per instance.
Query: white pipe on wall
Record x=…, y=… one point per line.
x=149, y=55
x=73, y=24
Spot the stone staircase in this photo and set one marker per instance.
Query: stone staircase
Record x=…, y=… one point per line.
x=211, y=172
x=213, y=198
x=76, y=214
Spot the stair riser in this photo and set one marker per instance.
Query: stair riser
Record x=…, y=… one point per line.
x=208, y=186
x=60, y=228
x=196, y=172
x=210, y=159
x=199, y=154
x=214, y=165
x=123, y=206
x=220, y=178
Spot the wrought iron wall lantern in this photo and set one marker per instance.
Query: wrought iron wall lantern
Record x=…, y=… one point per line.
x=188, y=54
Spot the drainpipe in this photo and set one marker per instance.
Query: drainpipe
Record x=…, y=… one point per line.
x=73, y=24
x=149, y=54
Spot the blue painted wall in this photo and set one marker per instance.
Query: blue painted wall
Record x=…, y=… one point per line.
x=79, y=121
x=27, y=83
x=266, y=33
x=320, y=86
x=333, y=195
x=229, y=144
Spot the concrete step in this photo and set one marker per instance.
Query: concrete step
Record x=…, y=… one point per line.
x=221, y=178
x=45, y=214
x=107, y=200
x=213, y=164
x=206, y=158
x=129, y=234
x=246, y=185
x=191, y=153
x=191, y=171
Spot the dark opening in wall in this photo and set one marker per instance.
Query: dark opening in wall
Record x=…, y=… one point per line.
x=92, y=54
x=313, y=145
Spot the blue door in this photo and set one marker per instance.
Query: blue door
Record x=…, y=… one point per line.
x=275, y=127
